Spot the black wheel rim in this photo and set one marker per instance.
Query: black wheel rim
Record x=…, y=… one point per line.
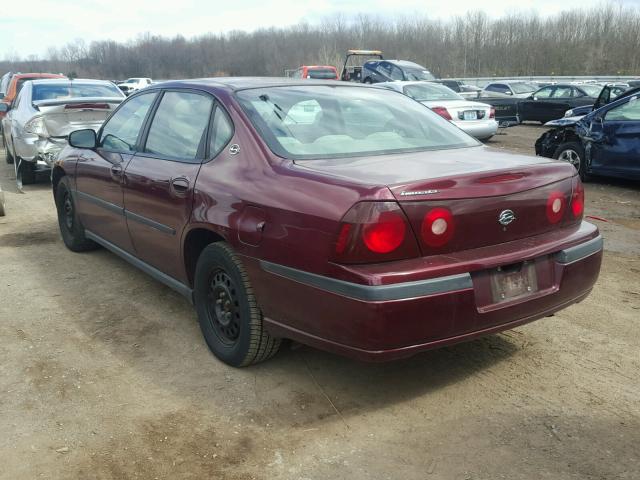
x=223, y=307
x=67, y=210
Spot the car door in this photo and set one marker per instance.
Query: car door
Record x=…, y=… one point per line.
x=160, y=178
x=615, y=148
x=534, y=108
x=99, y=197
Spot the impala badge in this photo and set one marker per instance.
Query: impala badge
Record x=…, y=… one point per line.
x=234, y=149
x=506, y=217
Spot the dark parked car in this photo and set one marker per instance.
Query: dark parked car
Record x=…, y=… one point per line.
x=465, y=91
x=346, y=217
x=376, y=71
x=604, y=142
x=551, y=102
x=607, y=95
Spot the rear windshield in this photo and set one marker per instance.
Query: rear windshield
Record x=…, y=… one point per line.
x=523, y=87
x=63, y=91
x=416, y=74
x=428, y=92
x=314, y=122
x=592, y=90
x=321, y=73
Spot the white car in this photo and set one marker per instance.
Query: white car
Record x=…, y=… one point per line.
x=43, y=114
x=475, y=118
x=133, y=85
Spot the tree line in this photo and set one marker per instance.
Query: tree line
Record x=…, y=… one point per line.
x=604, y=40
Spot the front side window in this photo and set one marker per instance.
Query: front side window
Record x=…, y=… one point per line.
x=396, y=73
x=414, y=74
x=627, y=112
x=178, y=125
x=345, y=122
x=120, y=133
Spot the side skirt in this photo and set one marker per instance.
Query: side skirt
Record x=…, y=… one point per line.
x=170, y=282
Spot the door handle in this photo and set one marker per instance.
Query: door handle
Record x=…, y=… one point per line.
x=180, y=186
x=116, y=171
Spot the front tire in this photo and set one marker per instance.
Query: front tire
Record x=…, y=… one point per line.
x=229, y=317
x=7, y=154
x=368, y=81
x=71, y=228
x=573, y=152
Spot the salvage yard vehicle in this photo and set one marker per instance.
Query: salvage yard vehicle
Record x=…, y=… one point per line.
x=373, y=228
x=475, y=118
x=605, y=142
x=352, y=68
x=318, y=72
x=465, y=91
x=45, y=112
x=513, y=89
x=551, y=102
x=376, y=71
x=134, y=84
x=15, y=85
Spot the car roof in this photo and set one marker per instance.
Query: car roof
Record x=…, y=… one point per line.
x=242, y=83
x=19, y=76
x=406, y=63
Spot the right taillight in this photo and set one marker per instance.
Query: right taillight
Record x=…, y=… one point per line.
x=577, y=198
x=437, y=227
x=556, y=205
x=492, y=112
x=373, y=232
x=442, y=111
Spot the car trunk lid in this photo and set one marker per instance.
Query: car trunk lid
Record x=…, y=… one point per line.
x=62, y=117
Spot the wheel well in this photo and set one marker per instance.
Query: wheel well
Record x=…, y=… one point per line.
x=196, y=241
x=56, y=176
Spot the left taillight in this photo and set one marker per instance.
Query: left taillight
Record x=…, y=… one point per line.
x=442, y=111
x=492, y=112
x=372, y=232
x=36, y=126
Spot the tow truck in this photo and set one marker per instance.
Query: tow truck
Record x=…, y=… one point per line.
x=352, y=69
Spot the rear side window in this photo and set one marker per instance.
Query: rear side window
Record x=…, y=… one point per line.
x=178, y=125
x=221, y=132
x=120, y=133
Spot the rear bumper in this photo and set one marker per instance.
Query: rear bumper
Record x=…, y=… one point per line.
x=382, y=321
x=481, y=129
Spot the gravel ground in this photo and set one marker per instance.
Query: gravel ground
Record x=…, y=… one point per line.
x=104, y=375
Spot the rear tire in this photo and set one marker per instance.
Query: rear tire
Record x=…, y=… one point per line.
x=368, y=81
x=573, y=152
x=71, y=228
x=229, y=317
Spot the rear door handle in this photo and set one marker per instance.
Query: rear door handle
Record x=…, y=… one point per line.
x=180, y=186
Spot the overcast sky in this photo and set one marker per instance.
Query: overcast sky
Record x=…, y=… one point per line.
x=32, y=26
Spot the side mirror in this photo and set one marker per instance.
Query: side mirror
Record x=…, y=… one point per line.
x=83, y=139
x=4, y=107
x=508, y=92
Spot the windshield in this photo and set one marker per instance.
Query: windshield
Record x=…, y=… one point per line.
x=592, y=90
x=61, y=91
x=322, y=73
x=132, y=80
x=427, y=93
x=314, y=122
x=523, y=87
x=415, y=74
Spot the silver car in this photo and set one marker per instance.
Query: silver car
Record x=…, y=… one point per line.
x=475, y=118
x=43, y=114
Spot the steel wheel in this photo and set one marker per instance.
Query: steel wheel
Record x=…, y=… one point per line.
x=223, y=307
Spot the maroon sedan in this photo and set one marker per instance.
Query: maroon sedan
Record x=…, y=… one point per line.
x=343, y=216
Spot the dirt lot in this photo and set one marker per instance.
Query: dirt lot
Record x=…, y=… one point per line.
x=104, y=375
